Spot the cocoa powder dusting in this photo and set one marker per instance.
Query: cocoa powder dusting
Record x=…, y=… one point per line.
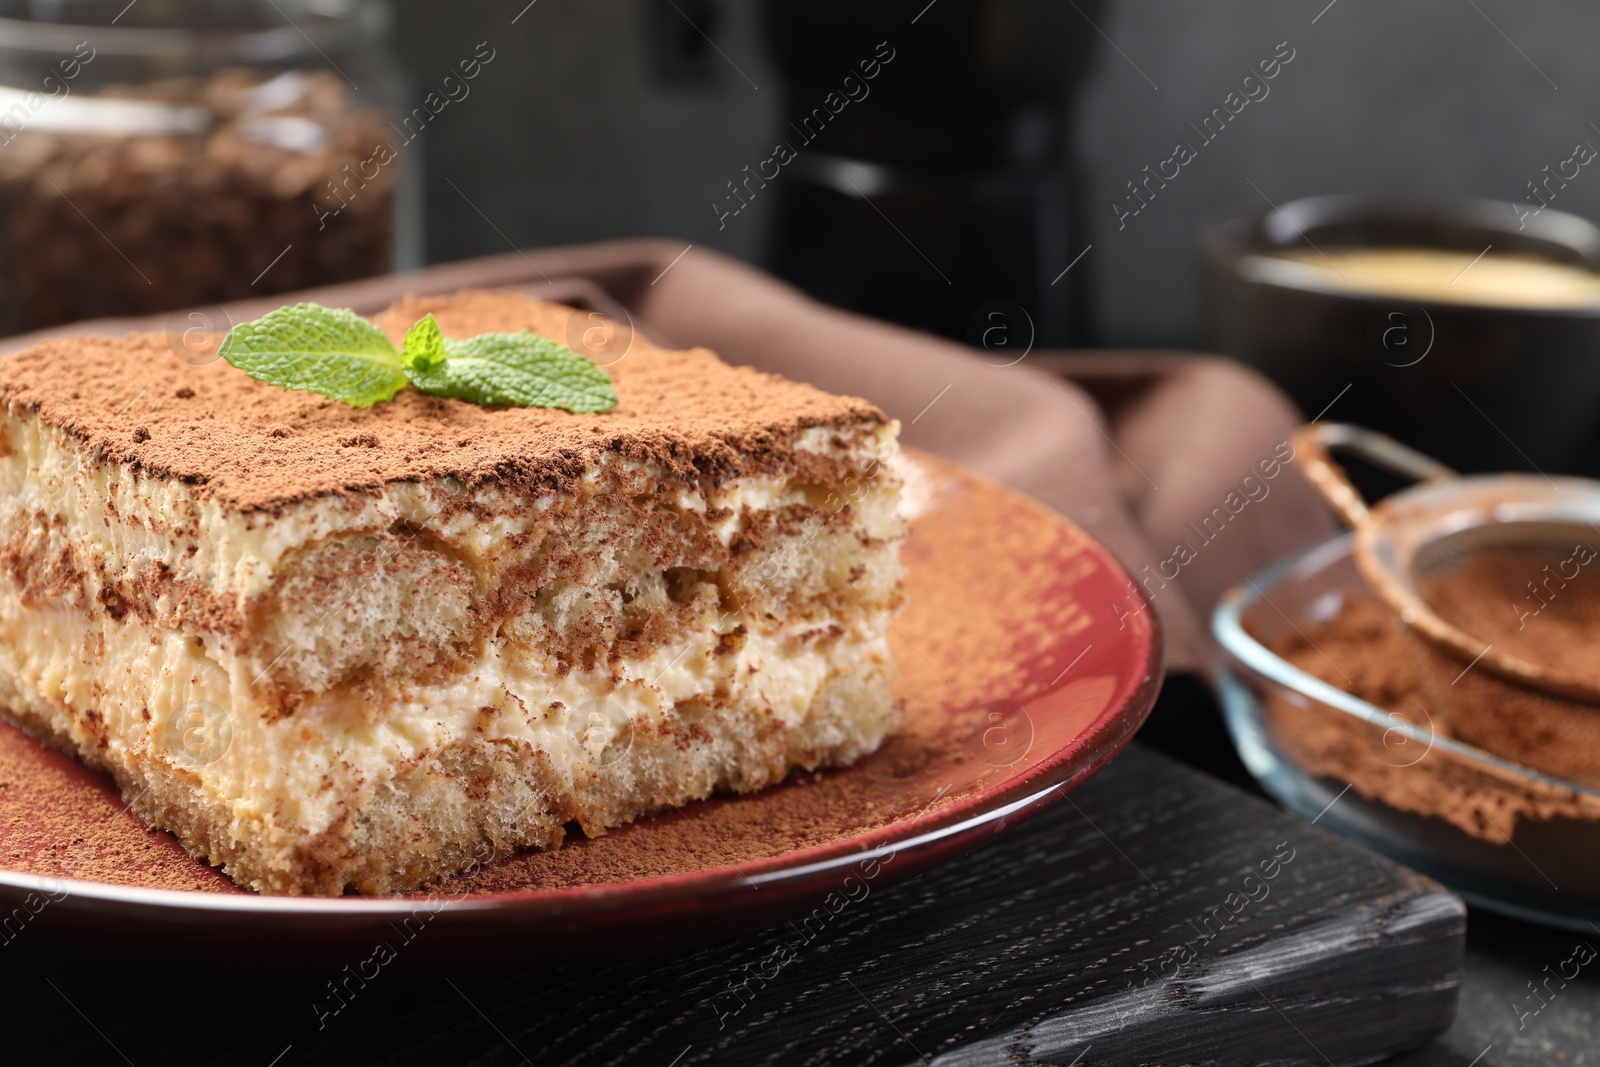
x=805, y=811
x=1364, y=650
x=1540, y=603
x=59, y=819
x=255, y=447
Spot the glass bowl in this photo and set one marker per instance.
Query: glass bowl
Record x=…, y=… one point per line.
x=1506, y=838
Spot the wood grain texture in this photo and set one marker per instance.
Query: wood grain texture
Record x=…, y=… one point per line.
x=1081, y=937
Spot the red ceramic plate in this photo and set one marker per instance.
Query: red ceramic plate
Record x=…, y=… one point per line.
x=1028, y=662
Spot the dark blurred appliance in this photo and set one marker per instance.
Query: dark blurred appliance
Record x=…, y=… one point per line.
x=941, y=189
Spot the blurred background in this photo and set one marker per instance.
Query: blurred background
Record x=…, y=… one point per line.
x=648, y=122
x=950, y=165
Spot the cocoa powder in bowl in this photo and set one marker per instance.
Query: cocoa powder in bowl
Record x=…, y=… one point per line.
x=1363, y=649
x=1537, y=599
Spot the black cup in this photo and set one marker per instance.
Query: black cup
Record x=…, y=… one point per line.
x=1479, y=387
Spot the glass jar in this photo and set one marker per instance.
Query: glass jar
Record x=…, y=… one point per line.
x=165, y=154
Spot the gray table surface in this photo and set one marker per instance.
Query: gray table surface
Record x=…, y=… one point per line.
x=1496, y=1023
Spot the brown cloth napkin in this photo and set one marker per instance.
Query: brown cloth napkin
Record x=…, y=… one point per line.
x=1176, y=462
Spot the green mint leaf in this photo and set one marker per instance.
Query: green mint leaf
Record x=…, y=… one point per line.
x=517, y=368
x=424, y=345
x=330, y=351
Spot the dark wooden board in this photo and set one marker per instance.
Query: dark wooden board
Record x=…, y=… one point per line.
x=1080, y=937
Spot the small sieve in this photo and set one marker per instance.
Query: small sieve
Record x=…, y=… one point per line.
x=1497, y=579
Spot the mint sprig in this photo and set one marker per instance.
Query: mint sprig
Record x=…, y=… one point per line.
x=326, y=350
x=343, y=356
x=424, y=344
x=516, y=368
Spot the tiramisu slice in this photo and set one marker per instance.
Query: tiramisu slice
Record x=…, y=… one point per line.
x=333, y=647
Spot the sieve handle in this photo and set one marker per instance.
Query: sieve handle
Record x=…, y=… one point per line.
x=1315, y=442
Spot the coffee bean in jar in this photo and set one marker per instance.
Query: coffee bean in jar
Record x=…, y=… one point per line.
x=123, y=193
